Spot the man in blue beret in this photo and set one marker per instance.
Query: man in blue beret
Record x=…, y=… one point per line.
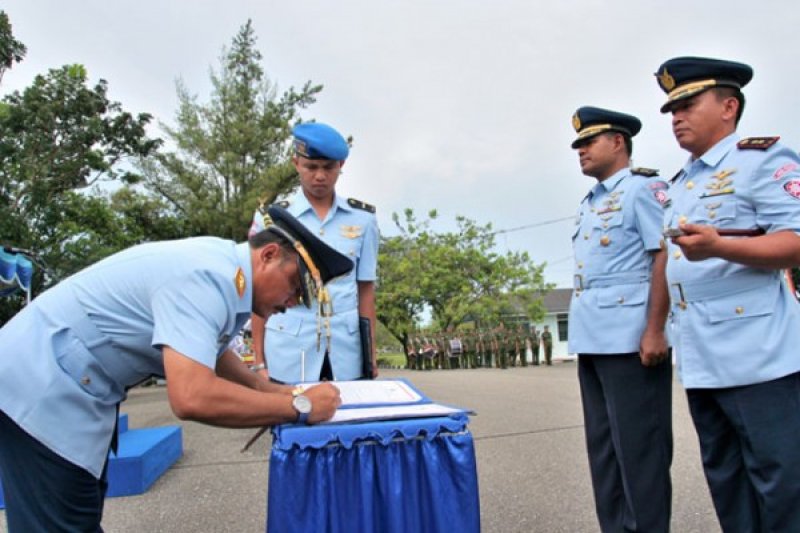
x=338, y=344
x=617, y=321
x=734, y=218
x=166, y=309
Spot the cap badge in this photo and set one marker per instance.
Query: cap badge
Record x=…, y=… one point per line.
x=666, y=80
x=240, y=282
x=576, y=122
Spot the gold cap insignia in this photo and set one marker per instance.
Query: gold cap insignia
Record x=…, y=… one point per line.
x=576, y=122
x=240, y=282
x=666, y=80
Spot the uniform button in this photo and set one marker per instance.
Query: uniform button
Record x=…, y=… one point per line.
x=580, y=265
x=690, y=185
x=586, y=237
x=605, y=225
x=682, y=305
x=86, y=380
x=683, y=219
x=604, y=240
x=677, y=254
x=321, y=231
x=620, y=300
x=739, y=310
x=712, y=214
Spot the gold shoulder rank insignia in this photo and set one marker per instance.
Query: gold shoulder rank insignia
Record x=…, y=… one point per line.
x=642, y=171
x=358, y=204
x=240, y=282
x=756, y=143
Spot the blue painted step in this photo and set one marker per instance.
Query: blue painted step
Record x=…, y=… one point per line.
x=143, y=455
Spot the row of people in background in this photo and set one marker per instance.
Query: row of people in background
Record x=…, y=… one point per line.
x=499, y=347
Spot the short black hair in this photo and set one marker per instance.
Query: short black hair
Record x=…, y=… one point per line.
x=265, y=237
x=728, y=92
x=627, y=138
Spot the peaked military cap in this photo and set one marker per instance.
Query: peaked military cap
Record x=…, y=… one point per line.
x=314, y=140
x=590, y=121
x=319, y=263
x=684, y=77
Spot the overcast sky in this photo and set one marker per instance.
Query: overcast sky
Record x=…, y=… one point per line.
x=459, y=105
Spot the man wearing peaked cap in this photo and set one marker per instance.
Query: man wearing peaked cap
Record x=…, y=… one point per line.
x=303, y=345
x=159, y=309
x=617, y=327
x=734, y=217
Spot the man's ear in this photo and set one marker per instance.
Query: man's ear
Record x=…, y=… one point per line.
x=269, y=252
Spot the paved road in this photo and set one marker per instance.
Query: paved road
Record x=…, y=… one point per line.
x=532, y=466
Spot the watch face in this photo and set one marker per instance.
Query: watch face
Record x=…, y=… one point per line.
x=302, y=404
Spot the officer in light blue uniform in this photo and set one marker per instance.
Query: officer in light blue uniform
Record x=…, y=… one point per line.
x=299, y=345
x=165, y=309
x=736, y=206
x=617, y=327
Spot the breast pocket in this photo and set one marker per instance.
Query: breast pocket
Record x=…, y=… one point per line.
x=286, y=324
x=608, y=234
x=715, y=211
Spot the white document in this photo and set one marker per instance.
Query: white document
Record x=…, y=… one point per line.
x=380, y=392
x=362, y=414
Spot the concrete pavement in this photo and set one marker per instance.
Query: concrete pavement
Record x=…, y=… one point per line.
x=532, y=466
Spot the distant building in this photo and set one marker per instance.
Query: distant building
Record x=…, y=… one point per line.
x=556, y=305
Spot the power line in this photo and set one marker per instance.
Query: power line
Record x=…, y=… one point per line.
x=534, y=225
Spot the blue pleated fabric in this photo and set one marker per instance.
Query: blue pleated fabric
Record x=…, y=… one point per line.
x=416, y=475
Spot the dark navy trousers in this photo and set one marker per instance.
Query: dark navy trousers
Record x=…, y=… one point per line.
x=750, y=445
x=627, y=410
x=43, y=491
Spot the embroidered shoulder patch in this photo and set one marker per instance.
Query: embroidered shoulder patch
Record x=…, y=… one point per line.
x=642, y=171
x=756, y=143
x=358, y=204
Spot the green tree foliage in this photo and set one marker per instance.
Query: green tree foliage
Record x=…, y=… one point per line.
x=457, y=275
x=11, y=50
x=59, y=136
x=233, y=152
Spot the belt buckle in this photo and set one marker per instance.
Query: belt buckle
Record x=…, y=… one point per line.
x=577, y=282
x=682, y=302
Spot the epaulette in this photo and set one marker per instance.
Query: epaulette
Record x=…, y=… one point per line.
x=358, y=204
x=262, y=207
x=756, y=143
x=642, y=171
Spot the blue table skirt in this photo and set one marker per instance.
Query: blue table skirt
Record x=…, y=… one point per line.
x=403, y=476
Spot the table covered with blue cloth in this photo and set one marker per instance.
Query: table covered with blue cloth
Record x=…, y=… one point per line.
x=404, y=475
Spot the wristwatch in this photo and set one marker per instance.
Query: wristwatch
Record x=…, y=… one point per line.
x=302, y=405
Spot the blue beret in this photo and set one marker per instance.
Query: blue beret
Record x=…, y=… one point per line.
x=319, y=141
x=590, y=121
x=684, y=77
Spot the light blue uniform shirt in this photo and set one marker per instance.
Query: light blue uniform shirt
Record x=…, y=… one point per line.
x=733, y=324
x=68, y=358
x=619, y=222
x=291, y=337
